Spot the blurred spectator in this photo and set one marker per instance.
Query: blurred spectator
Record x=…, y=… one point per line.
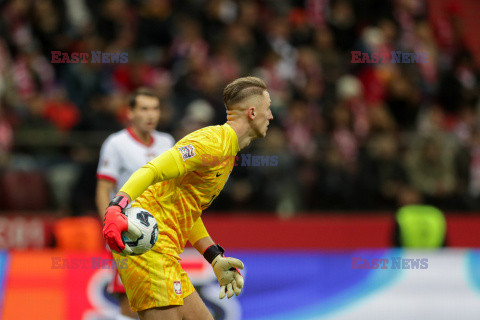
x=36, y=135
x=280, y=191
x=155, y=25
x=342, y=22
x=32, y=73
x=199, y=114
x=330, y=58
x=241, y=45
x=6, y=138
x=299, y=134
x=424, y=42
x=420, y=227
x=430, y=166
x=60, y=111
x=403, y=101
x=102, y=115
x=348, y=136
x=381, y=173
x=459, y=85
x=334, y=182
x=469, y=170
x=48, y=23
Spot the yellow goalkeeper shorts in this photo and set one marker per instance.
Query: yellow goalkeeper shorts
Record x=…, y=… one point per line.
x=153, y=280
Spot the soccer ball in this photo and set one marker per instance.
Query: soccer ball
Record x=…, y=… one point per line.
x=146, y=222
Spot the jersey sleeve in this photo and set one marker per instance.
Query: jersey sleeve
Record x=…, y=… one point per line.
x=109, y=164
x=197, y=232
x=198, y=149
x=189, y=154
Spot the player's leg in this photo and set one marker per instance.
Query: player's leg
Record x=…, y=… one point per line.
x=161, y=313
x=194, y=309
x=125, y=310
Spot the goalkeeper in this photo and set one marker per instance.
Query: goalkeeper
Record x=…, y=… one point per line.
x=176, y=187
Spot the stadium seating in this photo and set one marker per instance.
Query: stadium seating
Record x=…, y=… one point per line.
x=24, y=190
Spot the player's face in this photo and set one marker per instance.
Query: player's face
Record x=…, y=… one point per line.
x=263, y=115
x=146, y=113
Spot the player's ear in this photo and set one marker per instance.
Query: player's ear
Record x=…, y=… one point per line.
x=251, y=113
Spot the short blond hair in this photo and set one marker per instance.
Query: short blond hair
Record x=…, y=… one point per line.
x=242, y=88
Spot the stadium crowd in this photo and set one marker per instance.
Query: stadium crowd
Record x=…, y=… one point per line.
x=348, y=136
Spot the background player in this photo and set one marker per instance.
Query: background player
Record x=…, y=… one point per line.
x=193, y=172
x=123, y=153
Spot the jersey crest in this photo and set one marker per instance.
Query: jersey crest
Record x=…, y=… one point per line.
x=177, y=286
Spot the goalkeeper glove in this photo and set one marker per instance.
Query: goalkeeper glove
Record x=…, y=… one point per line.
x=226, y=270
x=115, y=222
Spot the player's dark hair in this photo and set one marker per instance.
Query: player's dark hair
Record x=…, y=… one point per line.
x=132, y=101
x=242, y=88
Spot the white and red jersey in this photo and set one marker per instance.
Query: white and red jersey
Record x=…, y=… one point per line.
x=123, y=153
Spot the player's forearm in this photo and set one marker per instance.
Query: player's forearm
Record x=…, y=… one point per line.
x=164, y=167
x=202, y=244
x=102, y=196
x=102, y=202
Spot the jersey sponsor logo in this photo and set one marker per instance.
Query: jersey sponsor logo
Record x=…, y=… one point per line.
x=177, y=286
x=187, y=152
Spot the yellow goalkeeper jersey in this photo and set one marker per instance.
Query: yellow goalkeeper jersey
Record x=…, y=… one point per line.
x=207, y=156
